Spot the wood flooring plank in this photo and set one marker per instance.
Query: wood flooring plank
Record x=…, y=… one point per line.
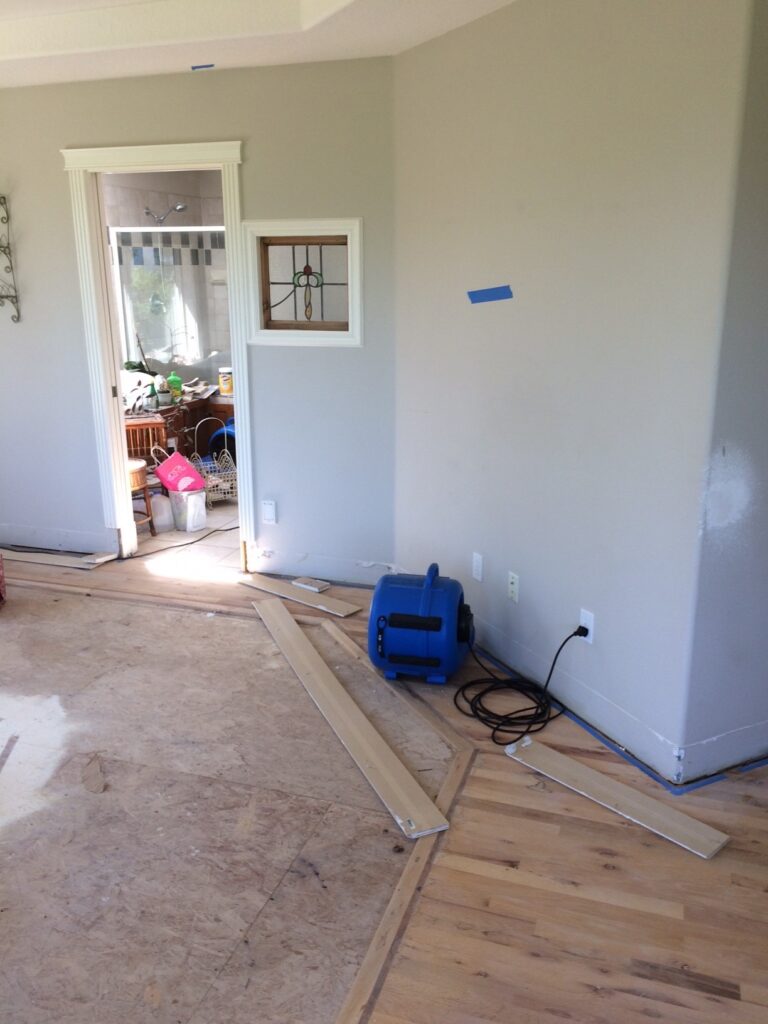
x=409, y=805
x=279, y=588
x=692, y=835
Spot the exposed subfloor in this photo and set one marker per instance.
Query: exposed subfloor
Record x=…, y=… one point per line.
x=538, y=905
x=236, y=865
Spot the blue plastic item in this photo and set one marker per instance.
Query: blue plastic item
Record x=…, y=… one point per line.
x=224, y=438
x=419, y=626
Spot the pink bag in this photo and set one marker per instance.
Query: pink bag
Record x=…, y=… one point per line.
x=178, y=474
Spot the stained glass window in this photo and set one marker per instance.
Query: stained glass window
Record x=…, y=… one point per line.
x=305, y=283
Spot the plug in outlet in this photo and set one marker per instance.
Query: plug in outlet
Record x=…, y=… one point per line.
x=513, y=587
x=587, y=619
x=477, y=567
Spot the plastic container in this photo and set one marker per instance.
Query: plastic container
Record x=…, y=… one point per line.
x=226, y=381
x=188, y=509
x=162, y=513
x=174, y=383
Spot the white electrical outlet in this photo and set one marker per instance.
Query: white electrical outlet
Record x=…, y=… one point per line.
x=269, y=512
x=587, y=619
x=513, y=587
x=477, y=566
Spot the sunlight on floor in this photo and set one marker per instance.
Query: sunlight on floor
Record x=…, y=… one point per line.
x=200, y=567
x=33, y=733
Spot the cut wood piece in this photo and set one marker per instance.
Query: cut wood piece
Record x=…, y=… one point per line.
x=644, y=810
x=280, y=588
x=345, y=641
x=403, y=797
x=86, y=561
x=381, y=948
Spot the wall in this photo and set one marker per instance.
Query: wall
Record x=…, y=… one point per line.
x=584, y=153
x=126, y=196
x=727, y=716
x=323, y=419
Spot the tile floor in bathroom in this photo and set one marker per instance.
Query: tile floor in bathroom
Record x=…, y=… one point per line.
x=218, y=545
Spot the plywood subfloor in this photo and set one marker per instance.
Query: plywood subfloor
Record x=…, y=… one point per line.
x=236, y=865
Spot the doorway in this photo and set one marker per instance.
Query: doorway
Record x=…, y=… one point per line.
x=102, y=322
x=170, y=321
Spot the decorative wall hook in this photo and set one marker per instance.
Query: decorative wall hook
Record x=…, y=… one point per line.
x=8, y=290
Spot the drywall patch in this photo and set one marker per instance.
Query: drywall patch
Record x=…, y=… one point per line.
x=730, y=488
x=33, y=734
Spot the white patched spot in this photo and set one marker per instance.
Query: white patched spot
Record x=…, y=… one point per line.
x=730, y=488
x=33, y=734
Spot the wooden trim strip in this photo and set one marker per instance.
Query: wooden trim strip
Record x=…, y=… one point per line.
x=360, y=999
x=405, y=800
x=644, y=810
x=279, y=588
x=55, y=558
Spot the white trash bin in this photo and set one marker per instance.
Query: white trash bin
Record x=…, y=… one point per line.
x=188, y=510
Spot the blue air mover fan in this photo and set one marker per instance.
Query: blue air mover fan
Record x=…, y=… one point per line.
x=419, y=626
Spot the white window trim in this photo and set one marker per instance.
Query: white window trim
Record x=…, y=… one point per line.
x=255, y=230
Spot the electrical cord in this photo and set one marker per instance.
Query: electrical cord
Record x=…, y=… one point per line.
x=471, y=699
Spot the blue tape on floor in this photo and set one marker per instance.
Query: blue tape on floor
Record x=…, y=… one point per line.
x=670, y=787
x=753, y=764
x=490, y=294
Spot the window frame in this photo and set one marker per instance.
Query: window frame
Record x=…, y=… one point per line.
x=304, y=335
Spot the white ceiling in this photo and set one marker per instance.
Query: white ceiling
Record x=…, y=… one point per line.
x=75, y=40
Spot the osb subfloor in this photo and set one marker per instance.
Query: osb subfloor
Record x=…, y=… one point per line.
x=237, y=863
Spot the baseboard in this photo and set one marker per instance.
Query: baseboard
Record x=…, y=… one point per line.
x=661, y=754
x=59, y=540
x=326, y=567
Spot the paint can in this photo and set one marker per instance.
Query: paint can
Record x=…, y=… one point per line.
x=226, y=384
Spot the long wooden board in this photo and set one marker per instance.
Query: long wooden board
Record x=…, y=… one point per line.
x=403, y=797
x=279, y=588
x=644, y=810
x=57, y=558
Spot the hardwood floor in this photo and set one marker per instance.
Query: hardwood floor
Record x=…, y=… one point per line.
x=538, y=906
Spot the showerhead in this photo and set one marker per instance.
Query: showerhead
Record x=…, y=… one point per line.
x=160, y=219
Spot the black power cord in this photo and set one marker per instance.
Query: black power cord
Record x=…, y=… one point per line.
x=510, y=726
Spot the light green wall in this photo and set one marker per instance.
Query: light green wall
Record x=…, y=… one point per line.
x=317, y=143
x=583, y=152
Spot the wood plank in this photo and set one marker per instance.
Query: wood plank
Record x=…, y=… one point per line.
x=279, y=588
x=353, y=649
x=644, y=810
x=368, y=977
x=84, y=561
x=405, y=800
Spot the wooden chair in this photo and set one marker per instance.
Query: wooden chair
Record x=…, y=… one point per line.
x=137, y=470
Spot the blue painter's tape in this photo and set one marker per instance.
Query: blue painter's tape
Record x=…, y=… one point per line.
x=751, y=765
x=490, y=294
x=670, y=787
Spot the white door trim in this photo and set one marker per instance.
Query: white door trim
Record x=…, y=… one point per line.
x=82, y=166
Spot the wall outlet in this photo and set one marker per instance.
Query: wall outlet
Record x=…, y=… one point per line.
x=513, y=586
x=587, y=619
x=477, y=566
x=269, y=512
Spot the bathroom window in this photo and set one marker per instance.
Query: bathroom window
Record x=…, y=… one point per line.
x=305, y=282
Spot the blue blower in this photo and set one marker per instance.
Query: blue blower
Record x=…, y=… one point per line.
x=419, y=626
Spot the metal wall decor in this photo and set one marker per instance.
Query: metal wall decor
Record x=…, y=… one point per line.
x=8, y=291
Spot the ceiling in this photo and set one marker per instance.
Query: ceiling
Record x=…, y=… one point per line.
x=44, y=41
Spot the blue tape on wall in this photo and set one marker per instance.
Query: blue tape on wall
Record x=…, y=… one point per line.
x=490, y=294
